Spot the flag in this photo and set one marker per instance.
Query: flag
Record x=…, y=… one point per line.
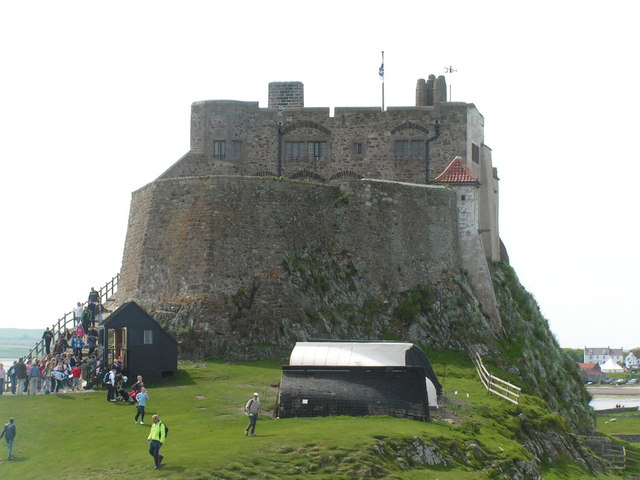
x=381, y=71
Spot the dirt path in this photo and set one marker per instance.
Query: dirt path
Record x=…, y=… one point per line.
x=613, y=390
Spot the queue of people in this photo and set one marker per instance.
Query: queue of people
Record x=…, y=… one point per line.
x=49, y=374
x=55, y=370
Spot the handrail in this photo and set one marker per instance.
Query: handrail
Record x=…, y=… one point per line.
x=493, y=384
x=63, y=322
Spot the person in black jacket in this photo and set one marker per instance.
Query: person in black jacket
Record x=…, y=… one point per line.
x=47, y=336
x=21, y=377
x=9, y=434
x=93, y=301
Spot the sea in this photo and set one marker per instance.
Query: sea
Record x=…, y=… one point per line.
x=7, y=362
x=603, y=402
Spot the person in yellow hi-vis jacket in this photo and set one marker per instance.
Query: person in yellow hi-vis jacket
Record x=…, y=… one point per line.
x=156, y=438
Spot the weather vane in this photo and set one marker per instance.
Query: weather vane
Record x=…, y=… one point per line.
x=450, y=69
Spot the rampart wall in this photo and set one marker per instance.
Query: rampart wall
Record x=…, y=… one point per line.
x=211, y=236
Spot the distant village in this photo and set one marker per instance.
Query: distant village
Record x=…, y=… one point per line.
x=599, y=362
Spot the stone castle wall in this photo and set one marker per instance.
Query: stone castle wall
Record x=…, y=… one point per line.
x=211, y=236
x=360, y=142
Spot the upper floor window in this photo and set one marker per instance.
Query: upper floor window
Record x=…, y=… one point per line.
x=219, y=149
x=409, y=148
x=358, y=148
x=294, y=149
x=475, y=153
x=236, y=149
x=317, y=149
x=305, y=150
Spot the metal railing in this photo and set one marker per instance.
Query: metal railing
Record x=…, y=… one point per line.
x=495, y=385
x=67, y=319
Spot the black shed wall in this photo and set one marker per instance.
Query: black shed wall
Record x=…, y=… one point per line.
x=148, y=360
x=357, y=391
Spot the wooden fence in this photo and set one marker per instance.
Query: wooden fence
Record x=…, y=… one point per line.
x=614, y=455
x=493, y=384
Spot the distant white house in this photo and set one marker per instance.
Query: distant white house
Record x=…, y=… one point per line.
x=600, y=355
x=631, y=361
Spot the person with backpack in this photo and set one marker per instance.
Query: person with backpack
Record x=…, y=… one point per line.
x=156, y=438
x=252, y=408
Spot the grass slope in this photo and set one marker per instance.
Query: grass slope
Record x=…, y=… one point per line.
x=81, y=436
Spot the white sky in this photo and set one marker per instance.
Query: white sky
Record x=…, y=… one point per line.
x=95, y=102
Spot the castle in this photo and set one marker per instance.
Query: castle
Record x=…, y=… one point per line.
x=400, y=193
x=402, y=144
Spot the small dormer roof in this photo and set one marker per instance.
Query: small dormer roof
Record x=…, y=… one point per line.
x=457, y=172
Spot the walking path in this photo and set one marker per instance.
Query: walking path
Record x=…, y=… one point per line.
x=613, y=389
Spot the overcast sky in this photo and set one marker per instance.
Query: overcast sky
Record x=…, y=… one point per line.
x=95, y=102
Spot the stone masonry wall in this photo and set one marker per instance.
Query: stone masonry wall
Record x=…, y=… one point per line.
x=256, y=140
x=204, y=237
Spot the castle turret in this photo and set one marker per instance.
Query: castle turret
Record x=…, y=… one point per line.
x=285, y=95
x=472, y=253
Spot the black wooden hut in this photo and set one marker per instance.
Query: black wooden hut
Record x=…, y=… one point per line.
x=333, y=377
x=143, y=345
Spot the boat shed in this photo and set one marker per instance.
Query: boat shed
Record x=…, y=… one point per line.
x=357, y=378
x=143, y=345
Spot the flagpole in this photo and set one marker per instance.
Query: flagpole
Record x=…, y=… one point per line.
x=382, y=77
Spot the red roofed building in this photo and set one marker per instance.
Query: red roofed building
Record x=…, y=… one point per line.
x=591, y=372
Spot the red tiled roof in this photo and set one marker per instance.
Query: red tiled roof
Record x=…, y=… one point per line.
x=587, y=366
x=456, y=172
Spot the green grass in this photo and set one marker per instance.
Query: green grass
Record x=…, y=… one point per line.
x=81, y=436
x=624, y=424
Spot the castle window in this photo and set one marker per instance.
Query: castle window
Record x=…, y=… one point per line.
x=305, y=150
x=317, y=149
x=294, y=149
x=358, y=148
x=402, y=148
x=475, y=153
x=417, y=148
x=219, y=149
x=236, y=148
x=409, y=148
